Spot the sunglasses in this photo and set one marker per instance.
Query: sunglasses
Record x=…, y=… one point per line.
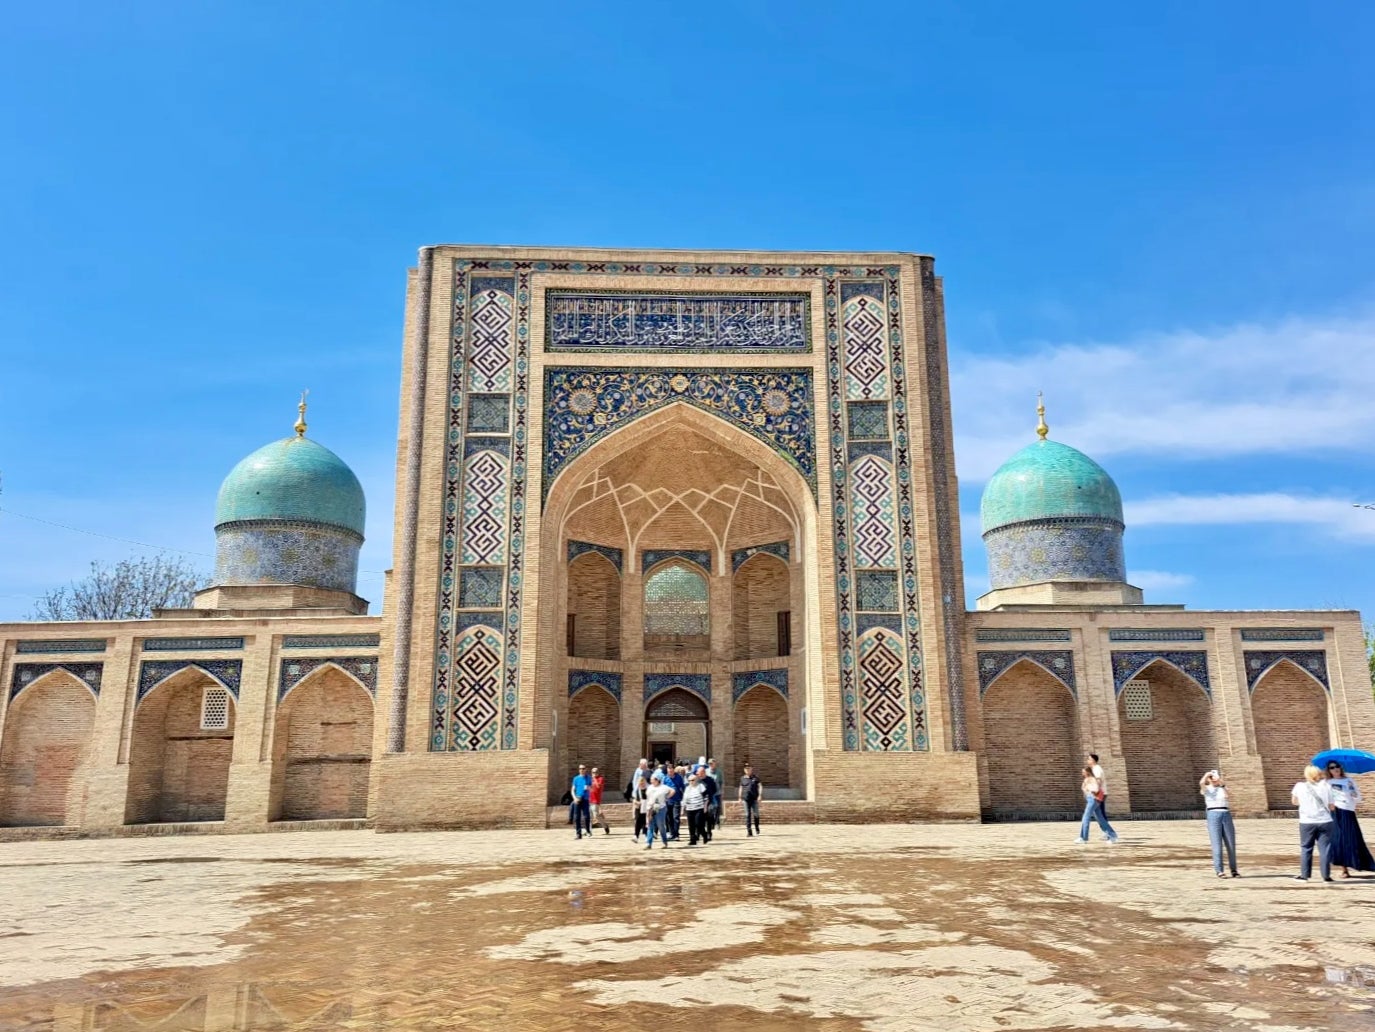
x=1334, y=766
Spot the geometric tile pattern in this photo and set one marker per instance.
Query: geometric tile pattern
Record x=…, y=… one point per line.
x=192, y=644
x=654, y=556
x=698, y=684
x=225, y=672
x=866, y=345
x=362, y=669
x=883, y=693
x=484, y=510
x=474, y=716
x=479, y=587
x=52, y=646
x=1021, y=634
x=1311, y=661
x=577, y=548
x=580, y=679
x=872, y=505
x=740, y=555
x=583, y=405
x=1059, y=665
x=331, y=641
x=1068, y=548
x=868, y=621
x=1194, y=665
x=868, y=420
x=489, y=413
x=491, y=349
x=676, y=323
x=287, y=552
x=876, y=591
x=743, y=681
x=1282, y=634
x=1161, y=634
x=25, y=674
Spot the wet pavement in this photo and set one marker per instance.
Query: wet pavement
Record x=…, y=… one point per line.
x=832, y=928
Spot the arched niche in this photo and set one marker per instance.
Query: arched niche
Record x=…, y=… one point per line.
x=677, y=723
x=179, y=766
x=45, y=752
x=761, y=601
x=761, y=736
x=1031, y=741
x=677, y=608
x=594, y=608
x=322, y=748
x=594, y=736
x=1289, y=709
x=1167, y=751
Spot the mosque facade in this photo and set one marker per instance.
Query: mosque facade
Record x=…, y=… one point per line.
x=667, y=504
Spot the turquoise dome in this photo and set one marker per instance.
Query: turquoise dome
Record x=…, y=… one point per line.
x=292, y=479
x=1046, y=480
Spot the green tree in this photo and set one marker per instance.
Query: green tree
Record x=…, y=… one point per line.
x=127, y=590
x=1370, y=648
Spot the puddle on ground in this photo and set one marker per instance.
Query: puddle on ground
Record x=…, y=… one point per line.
x=826, y=942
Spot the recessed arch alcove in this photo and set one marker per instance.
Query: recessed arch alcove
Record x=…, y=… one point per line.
x=45, y=751
x=1289, y=708
x=1168, y=746
x=322, y=747
x=179, y=759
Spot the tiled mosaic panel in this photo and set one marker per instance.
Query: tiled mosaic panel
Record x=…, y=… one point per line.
x=1021, y=634
x=1156, y=634
x=883, y=693
x=320, y=557
x=1127, y=665
x=293, y=671
x=491, y=348
x=192, y=644
x=583, y=405
x=1258, y=664
x=652, y=557
x=866, y=344
x=740, y=556
x=877, y=591
x=54, y=646
x=613, y=555
x=868, y=420
x=1282, y=634
x=25, y=674
x=580, y=679
x=1058, y=664
x=1080, y=549
x=484, y=509
x=473, y=714
x=479, y=588
x=489, y=413
x=871, y=504
x=744, y=681
x=152, y=672
x=331, y=641
x=743, y=324
x=698, y=684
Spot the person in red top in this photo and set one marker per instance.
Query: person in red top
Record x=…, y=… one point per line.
x=594, y=800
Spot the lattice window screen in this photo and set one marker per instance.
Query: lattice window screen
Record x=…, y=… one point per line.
x=676, y=602
x=1136, y=700
x=214, y=709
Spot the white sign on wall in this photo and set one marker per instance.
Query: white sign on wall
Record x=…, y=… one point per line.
x=659, y=728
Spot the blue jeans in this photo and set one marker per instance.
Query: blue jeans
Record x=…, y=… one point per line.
x=658, y=825
x=582, y=819
x=1093, y=811
x=1222, y=832
x=1321, y=836
x=751, y=815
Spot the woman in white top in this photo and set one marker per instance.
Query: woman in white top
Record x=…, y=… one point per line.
x=695, y=803
x=1348, y=844
x=1314, y=800
x=655, y=808
x=1221, y=830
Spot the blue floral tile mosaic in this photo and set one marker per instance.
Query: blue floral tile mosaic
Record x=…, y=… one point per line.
x=286, y=553
x=739, y=557
x=1156, y=634
x=1312, y=661
x=25, y=674
x=293, y=671
x=1077, y=548
x=331, y=641
x=1282, y=634
x=868, y=621
x=698, y=684
x=580, y=679
x=192, y=644
x=57, y=646
x=876, y=591
x=1058, y=664
x=1126, y=665
x=868, y=420
x=489, y=413
x=577, y=548
x=1021, y=634
x=744, y=681
x=676, y=323
x=152, y=672
x=479, y=587
x=652, y=557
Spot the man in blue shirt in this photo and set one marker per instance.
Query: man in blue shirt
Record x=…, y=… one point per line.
x=582, y=813
x=679, y=782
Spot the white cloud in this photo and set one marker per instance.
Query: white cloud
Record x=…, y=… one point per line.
x=1159, y=580
x=1336, y=515
x=1295, y=386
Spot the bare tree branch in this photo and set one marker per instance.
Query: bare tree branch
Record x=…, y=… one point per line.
x=129, y=590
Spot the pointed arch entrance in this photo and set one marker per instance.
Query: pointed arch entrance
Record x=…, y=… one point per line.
x=1167, y=742
x=677, y=725
x=674, y=505
x=45, y=752
x=1289, y=708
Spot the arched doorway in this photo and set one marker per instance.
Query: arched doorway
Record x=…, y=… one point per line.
x=45, y=750
x=762, y=736
x=594, y=736
x=677, y=726
x=594, y=608
x=1290, y=712
x=1167, y=739
x=180, y=750
x=761, y=598
x=322, y=748
x=1031, y=742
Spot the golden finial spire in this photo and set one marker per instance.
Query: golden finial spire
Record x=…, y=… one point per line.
x=300, y=427
x=1041, y=428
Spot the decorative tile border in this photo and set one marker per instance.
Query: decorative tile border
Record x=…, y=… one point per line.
x=1282, y=634
x=1021, y=634
x=1194, y=665
x=868, y=621
x=192, y=644
x=676, y=323
x=1311, y=661
x=331, y=641
x=1156, y=634
x=698, y=684
x=225, y=672
x=25, y=674
x=580, y=679
x=577, y=548
x=1058, y=664
x=740, y=556
x=745, y=680
x=57, y=646
x=295, y=670
x=652, y=557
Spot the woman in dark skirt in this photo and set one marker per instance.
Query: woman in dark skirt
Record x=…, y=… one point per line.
x=1348, y=844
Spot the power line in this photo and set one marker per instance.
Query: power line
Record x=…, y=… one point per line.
x=108, y=537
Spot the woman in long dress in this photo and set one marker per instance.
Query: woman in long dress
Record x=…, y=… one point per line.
x=1348, y=844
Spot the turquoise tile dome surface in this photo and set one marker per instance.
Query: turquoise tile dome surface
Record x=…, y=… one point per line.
x=1048, y=480
x=292, y=479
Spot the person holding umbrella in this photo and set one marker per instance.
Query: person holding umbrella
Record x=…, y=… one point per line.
x=1348, y=844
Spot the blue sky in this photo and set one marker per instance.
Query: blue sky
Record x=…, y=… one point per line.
x=1162, y=215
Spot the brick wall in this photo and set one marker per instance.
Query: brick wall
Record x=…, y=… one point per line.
x=1167, y=754
x=43, y=757
x=322, y=746
x=594, y=737
x=497, y=789
x=1289, y=710
x=759, y=592
x=870, y=786
x=1032, y=742
x=177, y=772
x=761, y=736
x=594, y=602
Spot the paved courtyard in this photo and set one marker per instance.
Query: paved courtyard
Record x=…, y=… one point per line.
x=817, y=928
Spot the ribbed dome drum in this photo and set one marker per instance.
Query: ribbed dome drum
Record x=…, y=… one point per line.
x=290, y=513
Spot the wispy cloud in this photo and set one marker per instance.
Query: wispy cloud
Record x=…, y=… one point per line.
x=1336, y=515
x=1298, y=385
x=1159, y=580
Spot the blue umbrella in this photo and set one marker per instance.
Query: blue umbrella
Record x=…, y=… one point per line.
x=1353, y=761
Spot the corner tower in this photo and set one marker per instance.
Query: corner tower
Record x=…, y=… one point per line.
x=1052, y=526
x=288, y=527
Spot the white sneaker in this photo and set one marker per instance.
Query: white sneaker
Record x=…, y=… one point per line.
x=1111, y=841
x=1081, y=842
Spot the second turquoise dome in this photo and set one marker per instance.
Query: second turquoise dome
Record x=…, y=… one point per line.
x=1046, y=480
x=292, y=479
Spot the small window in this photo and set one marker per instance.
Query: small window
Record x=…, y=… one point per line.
x=214, y=710
x=785, y=633
x=1136, y=700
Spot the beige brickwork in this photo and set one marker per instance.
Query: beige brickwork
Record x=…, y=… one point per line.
x=322, y=748
x=1032, y=741
x=761, y=736
x=1292, y=721
x=44, y=756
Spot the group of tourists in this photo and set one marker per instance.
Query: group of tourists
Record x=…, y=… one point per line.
x=661, y=797
x=1327, y=800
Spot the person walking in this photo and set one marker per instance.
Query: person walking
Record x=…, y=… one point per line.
x=639, y=785
x=1094, y=795
x=1314, y=800
x=655, y=805
x=594, y=802
x=1348, y=844
x=1221, y=831
x=678, y=782
x=581, y=785
x=695, y=806
x=713, y=787
x=750, y=793
x=718, y=809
